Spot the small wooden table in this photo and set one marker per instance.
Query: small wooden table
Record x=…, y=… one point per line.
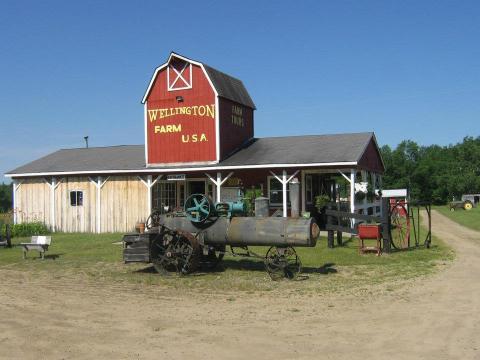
x=39, y=243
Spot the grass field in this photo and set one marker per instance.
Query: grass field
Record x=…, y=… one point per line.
x=94, y=257
x=470, y=218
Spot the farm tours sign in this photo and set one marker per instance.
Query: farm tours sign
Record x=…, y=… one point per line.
x=169, y=127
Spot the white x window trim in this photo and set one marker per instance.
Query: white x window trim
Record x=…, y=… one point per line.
x=188, y=85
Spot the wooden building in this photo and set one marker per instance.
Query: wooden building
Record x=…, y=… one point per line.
x=199, y=138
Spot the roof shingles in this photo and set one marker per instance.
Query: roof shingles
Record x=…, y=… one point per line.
x=311, y=149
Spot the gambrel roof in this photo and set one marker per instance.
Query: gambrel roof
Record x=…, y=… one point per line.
x=224, y=85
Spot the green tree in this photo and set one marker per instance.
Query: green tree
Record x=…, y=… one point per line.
x=5, y=197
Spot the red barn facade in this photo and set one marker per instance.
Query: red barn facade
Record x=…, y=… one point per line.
x=194, y=114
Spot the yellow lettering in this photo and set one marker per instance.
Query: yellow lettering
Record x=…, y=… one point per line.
x=185, y=138
x=203, y=138
x=194, y=138
x=162, y=129
x=177, y=128
x=200, y=110
x=211, y=111
x=169, y=128
x=157, y=129
x=153, y=115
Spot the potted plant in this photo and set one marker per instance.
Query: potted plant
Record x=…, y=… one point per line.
x=359, y=196
x=321, y=201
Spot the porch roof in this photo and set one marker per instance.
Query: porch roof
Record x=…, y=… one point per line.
x=340, y=150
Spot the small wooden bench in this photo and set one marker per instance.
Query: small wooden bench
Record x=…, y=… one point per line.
x=39, y=243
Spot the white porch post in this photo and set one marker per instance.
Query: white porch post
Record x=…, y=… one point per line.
x=14, y=198
x=149, y=184
x=303, y=187
x=52, y=203
x=53, y=184
x=99, y=205
x=218, y=186
x=98, y=216
x=149, y=193
x=284, y=181
x=218, y=183
x=284, y=191
x=352, y=193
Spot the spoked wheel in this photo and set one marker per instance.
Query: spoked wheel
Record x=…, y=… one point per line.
x=175, y=252
x=213, y=258
x=400, y=227
x=153, y=220
x=282, y=263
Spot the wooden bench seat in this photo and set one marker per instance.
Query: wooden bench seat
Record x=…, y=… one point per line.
x=38, y=243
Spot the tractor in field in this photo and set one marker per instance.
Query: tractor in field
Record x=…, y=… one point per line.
x=468, y=202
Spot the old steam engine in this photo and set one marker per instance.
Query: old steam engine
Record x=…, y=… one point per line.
x=198, y=238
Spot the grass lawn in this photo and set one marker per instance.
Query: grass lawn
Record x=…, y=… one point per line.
x=468, y=218
x=99, y=258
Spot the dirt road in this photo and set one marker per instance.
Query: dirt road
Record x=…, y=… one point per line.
x=436, y=318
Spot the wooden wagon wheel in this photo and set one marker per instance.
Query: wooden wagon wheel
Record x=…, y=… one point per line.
x=400, y=227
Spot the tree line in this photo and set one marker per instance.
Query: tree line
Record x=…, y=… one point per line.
x=433, y=173
x=5, y=197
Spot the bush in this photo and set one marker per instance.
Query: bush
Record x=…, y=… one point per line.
x=27, y=229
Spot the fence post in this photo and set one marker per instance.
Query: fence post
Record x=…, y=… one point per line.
x=339, y=238
x=387, y=248
x=330, y=232
x=8, y=235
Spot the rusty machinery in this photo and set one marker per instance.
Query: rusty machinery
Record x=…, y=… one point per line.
x=199, y=236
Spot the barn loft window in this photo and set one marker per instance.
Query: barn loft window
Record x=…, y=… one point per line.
x=76, y=198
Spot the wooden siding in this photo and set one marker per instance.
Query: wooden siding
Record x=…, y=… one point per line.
x=235, y=129
x=70, y=218
x=123, y=204
x=371, y=159
x=33, y=201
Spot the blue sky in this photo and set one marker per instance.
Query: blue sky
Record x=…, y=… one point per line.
x=404, y=69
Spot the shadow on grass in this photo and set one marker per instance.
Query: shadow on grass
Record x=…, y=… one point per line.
x=247, y=265
x=33, y=256
x=53, y=256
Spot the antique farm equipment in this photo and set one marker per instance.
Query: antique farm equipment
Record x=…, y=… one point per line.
x=199, y=238
x=400, y=226
x=370, y=232
x=421, y=231
x=461, y=204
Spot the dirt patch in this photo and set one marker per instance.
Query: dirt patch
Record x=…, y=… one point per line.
x=433, y=318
